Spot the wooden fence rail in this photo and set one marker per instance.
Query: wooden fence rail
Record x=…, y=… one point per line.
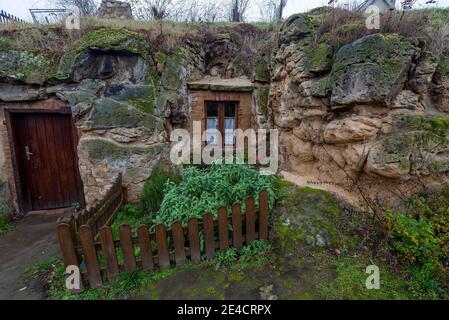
x=101, y=214
x=8, y=18
x=163, y=248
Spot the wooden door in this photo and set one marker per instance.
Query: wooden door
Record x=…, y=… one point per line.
x=46, y=160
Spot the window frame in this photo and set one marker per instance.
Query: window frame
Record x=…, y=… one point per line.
x=221, y=117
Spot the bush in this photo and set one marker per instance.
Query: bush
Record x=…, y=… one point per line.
x=153, y=189
x=420, y=236
x=206, y=190
x=415, y=239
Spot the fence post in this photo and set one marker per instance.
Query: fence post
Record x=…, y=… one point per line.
x=250, y=220
x=178, y=242
x=68, y=250
x=194, y=240
x=223, y=235
x=146, y=251
x=90, y=255
x=209, y=240
x=126, y=243
x=236, y=226
x=162, y=246
x=110, y=256
x=263, y=215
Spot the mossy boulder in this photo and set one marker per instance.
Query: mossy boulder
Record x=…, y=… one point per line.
x=307, y=217
x=261, y=70
x=417, y=145
x=24, y=66
x=296, y=27
x=322, y=58
x=320, y=88
x=105, y=40
x=108, y=113
x=174, y=69
x=371, y=69
x=102, y=149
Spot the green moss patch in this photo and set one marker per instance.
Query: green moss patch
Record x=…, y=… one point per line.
x=119, y=40
x=25, y=66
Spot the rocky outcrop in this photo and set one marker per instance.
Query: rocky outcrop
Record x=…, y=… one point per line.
x=123, y=101
x=364, y=114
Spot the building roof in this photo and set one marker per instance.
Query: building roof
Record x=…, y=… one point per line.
x=365, y=4
x=218, y=84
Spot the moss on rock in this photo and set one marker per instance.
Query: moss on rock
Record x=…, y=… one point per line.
x=308, y=216
x=413, y=147
x=118, y=40
x=25, y=66
x=109, y=113
x=322, y=58
x=370, y=69
x=262, y=100
x=261, y=71
x=296, y=27
x=102, y=149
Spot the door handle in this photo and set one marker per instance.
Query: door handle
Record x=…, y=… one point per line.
x=28, y=153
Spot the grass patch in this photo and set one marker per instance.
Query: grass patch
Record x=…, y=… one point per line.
x=350, y=277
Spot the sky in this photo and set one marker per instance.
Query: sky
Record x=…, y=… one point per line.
x=20, y=8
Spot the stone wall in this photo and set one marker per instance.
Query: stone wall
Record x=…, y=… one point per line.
x=118, y=101
x=370, y=116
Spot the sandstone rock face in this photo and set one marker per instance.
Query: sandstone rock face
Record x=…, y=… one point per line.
x=357, y=128
x=363, y=116
x=370, y=70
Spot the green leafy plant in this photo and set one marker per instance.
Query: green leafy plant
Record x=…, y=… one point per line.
x=225, y=258
x=205, y=190
x=131, y=216
x=153, y=189
x=415, y=240
x=259, y=252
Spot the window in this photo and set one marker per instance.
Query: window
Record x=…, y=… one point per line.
x=221, y=117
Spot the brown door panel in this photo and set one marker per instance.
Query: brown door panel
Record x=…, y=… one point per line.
x=46, y=160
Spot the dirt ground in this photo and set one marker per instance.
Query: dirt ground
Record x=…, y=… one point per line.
x=32, y=242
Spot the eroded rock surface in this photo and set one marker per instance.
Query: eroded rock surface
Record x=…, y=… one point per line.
x=373, y=113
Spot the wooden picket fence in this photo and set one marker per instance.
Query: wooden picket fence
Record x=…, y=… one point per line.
x=164, y=247
x=9, y=18
x=103, y=213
